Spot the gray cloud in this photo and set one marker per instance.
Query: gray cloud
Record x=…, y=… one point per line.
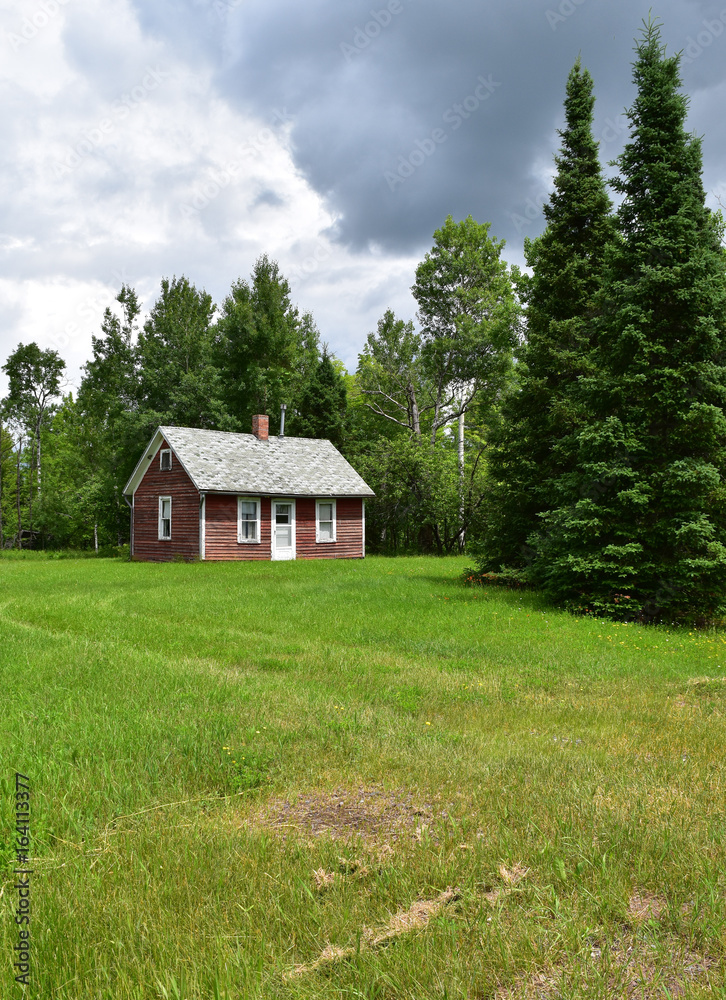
x=364, y=129
x=368, y=87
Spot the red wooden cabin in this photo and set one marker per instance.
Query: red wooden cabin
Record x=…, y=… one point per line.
x=198, y=494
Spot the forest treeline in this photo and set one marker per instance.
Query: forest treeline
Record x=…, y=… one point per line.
x=399, y=418
x=566, y=426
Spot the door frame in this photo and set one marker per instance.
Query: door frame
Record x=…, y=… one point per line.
x=273, y=528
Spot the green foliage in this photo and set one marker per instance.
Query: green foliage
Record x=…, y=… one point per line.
x=639, y=527
x=415, y=384
x=34, y=382
x=469, y=318
x=422, y=502
x=104, y=430
x=541, y=415
x=8, y=513
x=264, y=348
x=177, y=380
x=390, y=375
x=321, y=404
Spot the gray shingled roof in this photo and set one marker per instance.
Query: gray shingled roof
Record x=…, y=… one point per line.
x=221, y=462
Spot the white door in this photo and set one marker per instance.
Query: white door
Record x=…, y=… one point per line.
x=283, y=529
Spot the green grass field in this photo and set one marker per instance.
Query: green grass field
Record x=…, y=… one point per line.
x=356, y=779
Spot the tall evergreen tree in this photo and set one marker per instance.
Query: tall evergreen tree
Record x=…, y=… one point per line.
x=540, y=417
x=640, y=529
x=321, y=403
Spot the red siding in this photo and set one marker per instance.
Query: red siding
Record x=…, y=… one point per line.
x=221, y=523
x=348, y=534
x=184, y=541
x=221, y=530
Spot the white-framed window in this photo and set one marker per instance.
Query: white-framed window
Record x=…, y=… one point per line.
x=248, y=520
x=164, y=519
x=325, y=520
x=165, y=459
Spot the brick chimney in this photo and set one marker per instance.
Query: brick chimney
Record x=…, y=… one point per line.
x=261, y=427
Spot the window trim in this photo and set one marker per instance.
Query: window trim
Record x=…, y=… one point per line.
x=258, y=520
x=163, y=537
x=318, y=539
x=162, y=452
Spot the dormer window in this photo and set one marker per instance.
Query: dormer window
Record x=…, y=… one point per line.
x=165, y=460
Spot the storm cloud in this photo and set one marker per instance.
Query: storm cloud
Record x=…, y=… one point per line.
x=143, y=140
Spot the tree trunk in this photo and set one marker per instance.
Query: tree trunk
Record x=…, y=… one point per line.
x=30, y=489
x=461, y=477
x=95, y=537
x=17, y=485
x=415, y=416
x=37, y=451
x=437, y=536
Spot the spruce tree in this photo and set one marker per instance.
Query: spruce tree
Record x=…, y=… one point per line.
x=321, y=406
x=640, y=530
x=535, y=442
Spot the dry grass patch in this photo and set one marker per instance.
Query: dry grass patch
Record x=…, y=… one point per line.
x=629, y=968
x=416, y=917
x=322, y=879
x=370, y=814
x=647, y=969
x=510, y=877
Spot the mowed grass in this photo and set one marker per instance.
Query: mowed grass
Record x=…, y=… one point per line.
x=261, y=780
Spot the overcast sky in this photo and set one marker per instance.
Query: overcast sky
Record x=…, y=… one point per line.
x=159, y=137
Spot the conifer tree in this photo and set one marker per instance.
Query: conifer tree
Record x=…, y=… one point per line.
x=536, y=439
x=640, y=528
x=320, y=410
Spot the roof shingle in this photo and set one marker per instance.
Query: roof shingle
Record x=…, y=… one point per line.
x=223, y=462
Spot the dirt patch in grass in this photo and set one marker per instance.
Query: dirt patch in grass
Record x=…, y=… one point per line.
x=646, y=906
x=644, y=969
x=414, y=918
x=629, y=968
x=369, y=813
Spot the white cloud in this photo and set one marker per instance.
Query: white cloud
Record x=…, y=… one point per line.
x=146, y=140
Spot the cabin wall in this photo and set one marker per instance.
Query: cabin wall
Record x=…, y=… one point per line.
x=348, y=542
x=221, y=530
x=184, y=541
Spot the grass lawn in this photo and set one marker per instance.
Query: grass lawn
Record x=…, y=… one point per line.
x=354, y=779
